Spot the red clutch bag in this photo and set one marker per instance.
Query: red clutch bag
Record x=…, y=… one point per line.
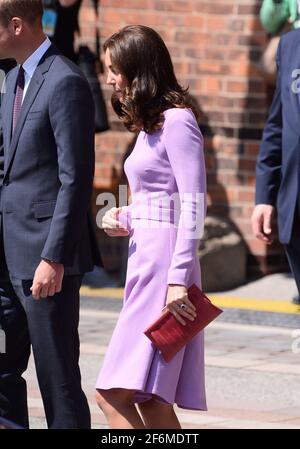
x=169, y=336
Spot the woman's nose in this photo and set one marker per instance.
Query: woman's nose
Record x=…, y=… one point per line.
x=110, y=79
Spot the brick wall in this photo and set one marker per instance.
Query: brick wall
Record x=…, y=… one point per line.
x=215, y=46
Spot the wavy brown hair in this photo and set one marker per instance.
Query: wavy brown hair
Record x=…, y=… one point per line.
x=140, y=54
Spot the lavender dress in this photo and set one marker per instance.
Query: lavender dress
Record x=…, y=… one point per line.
x=161, y=252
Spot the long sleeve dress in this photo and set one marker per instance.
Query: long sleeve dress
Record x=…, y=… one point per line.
x=166, y=174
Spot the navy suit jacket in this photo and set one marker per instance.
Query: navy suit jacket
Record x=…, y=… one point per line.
x=277, y=170
x=48, y=170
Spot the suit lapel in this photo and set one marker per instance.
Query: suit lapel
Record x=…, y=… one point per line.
x=34, y=87
x=7, y=106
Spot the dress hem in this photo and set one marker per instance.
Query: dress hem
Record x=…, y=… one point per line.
x=157, y=395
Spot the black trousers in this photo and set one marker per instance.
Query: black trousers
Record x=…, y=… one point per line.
x=50, y=327
x=293, y=249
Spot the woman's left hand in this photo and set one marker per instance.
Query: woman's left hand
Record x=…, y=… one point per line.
x=179, y=304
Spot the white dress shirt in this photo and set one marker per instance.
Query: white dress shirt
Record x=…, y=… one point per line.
x=31, y=63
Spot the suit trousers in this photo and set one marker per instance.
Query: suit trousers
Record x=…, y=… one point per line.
x=293, y=249
x=50, y=327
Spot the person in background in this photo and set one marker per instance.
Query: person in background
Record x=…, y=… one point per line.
x=277, y=169
x=274, y=14
x=5, y=66
x=277, y=17
x=60, y=23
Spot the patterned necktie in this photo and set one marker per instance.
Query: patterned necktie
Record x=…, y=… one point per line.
x=19, y=96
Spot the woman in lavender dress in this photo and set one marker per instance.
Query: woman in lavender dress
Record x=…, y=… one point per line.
x=166, y=174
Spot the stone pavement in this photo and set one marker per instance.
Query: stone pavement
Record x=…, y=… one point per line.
x=252, y=361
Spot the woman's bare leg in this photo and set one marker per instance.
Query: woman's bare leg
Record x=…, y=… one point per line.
x=157, y=415
x=119, y=409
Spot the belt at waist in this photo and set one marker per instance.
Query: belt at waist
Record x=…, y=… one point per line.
x=154, y=213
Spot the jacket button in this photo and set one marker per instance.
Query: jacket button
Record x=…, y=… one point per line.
x=6, y=182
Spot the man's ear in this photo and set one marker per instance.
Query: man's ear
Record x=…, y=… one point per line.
x=16, y=26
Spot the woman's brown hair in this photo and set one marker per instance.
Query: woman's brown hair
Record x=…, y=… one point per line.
x=140, y=54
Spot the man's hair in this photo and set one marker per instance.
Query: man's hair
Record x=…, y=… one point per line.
x=29, y=10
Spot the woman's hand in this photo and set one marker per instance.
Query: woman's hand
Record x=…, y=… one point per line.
x=179, y=304
x=111, y=225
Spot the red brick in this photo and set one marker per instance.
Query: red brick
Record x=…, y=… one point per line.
x=246, y=196
x=128, y=4
x=227, y=163
x=215, y=8
x=243, y=68
x=237, y=86
x=183, y=6
x=194, y=37
x=225, y=102
x=218, y=197
x=216, y=116
x=239, y=118
x=252, y=24
x=214, y=53
x=194, y=52
x=191, y=21
x=111, y=15
x=236, y=24
x=247, y=165
x=216, y=23
x=251, y=181
x=251, y=149
x=258, y=39
x=212, y=85
x=197, y=85
x=211, y=67
x=251, y=8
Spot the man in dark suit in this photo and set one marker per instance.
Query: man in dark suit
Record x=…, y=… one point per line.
x=47, y=240
x=277, y=171
x=5, y=66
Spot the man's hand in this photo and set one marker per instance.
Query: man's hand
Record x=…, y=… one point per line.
x=47, y=279
x=262, y=222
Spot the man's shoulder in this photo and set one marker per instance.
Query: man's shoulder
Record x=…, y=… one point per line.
x=290, y=38
x=65, y=79
x=63, y=74
x=62, y=67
